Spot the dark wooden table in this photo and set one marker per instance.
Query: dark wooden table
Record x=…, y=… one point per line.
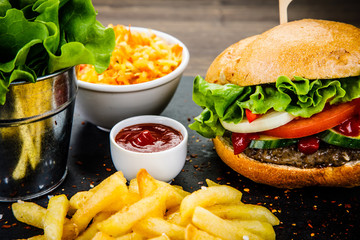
x=207, y=27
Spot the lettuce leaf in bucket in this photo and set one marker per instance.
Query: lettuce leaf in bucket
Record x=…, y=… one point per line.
x=44, y=36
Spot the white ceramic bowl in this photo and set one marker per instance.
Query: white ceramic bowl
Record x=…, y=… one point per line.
x=164, y=165
x=105, y=105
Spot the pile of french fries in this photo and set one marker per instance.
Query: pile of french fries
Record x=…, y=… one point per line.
x=30, y=135
x=149, y=209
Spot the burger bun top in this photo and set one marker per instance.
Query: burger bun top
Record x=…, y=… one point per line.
x=308, y=48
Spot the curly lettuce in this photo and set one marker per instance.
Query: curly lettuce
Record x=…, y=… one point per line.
x=301, y=97
x=39, y=37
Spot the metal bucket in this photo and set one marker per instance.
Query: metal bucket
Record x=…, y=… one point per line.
x=35, y=129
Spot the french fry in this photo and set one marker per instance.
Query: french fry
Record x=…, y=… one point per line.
x=193, y=233
x=178, y=186
x=149, y=209
x=178, y=189
x=152, y=227
x=34, y=215
x=214, y=225
x=131, y=236
x=79, y=199
x=245, y=212
x=37, y=131
x=29, y=213
x=109, y=192
x=28, y=150
x=261, y=229
x=162, y=237
x=175, y=195
x=147, y=184
x=38, y=237
x=206, y=197
x=55, y=217
x=119, y=175
x=102, y=236
x=122, y=222
x=21, y=166
x=211, y=183
x=133, y=186
x=125, y=200
x=173, y=216
x=30, y=135
x=70, y=230
x=91, y=231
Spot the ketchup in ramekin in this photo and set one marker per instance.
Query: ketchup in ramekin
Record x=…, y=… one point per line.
x=148, y=137
x=155, y=143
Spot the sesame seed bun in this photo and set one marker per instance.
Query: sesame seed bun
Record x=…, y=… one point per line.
x=313, y=49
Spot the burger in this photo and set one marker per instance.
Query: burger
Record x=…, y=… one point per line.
x=282, y=107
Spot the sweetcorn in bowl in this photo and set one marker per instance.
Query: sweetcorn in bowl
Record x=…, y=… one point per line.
x=105, y=104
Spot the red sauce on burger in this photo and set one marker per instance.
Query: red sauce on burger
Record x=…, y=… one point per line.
x=148, y=137
x=350, y=127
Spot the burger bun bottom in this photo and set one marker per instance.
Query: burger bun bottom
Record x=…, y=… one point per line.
x=283, y=176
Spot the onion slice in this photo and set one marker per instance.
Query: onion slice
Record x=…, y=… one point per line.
x=266, y=122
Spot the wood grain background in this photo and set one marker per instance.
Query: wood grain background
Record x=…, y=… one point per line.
x=207, y=27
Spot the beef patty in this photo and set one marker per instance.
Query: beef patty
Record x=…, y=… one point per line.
x=327, y=156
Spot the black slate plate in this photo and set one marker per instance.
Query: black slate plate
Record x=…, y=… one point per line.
x=310, y=213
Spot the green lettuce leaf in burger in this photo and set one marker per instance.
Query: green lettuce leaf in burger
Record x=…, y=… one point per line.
x=283, y=107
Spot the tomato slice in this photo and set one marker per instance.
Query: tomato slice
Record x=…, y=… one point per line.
x=328, y=118
x=251, y=116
